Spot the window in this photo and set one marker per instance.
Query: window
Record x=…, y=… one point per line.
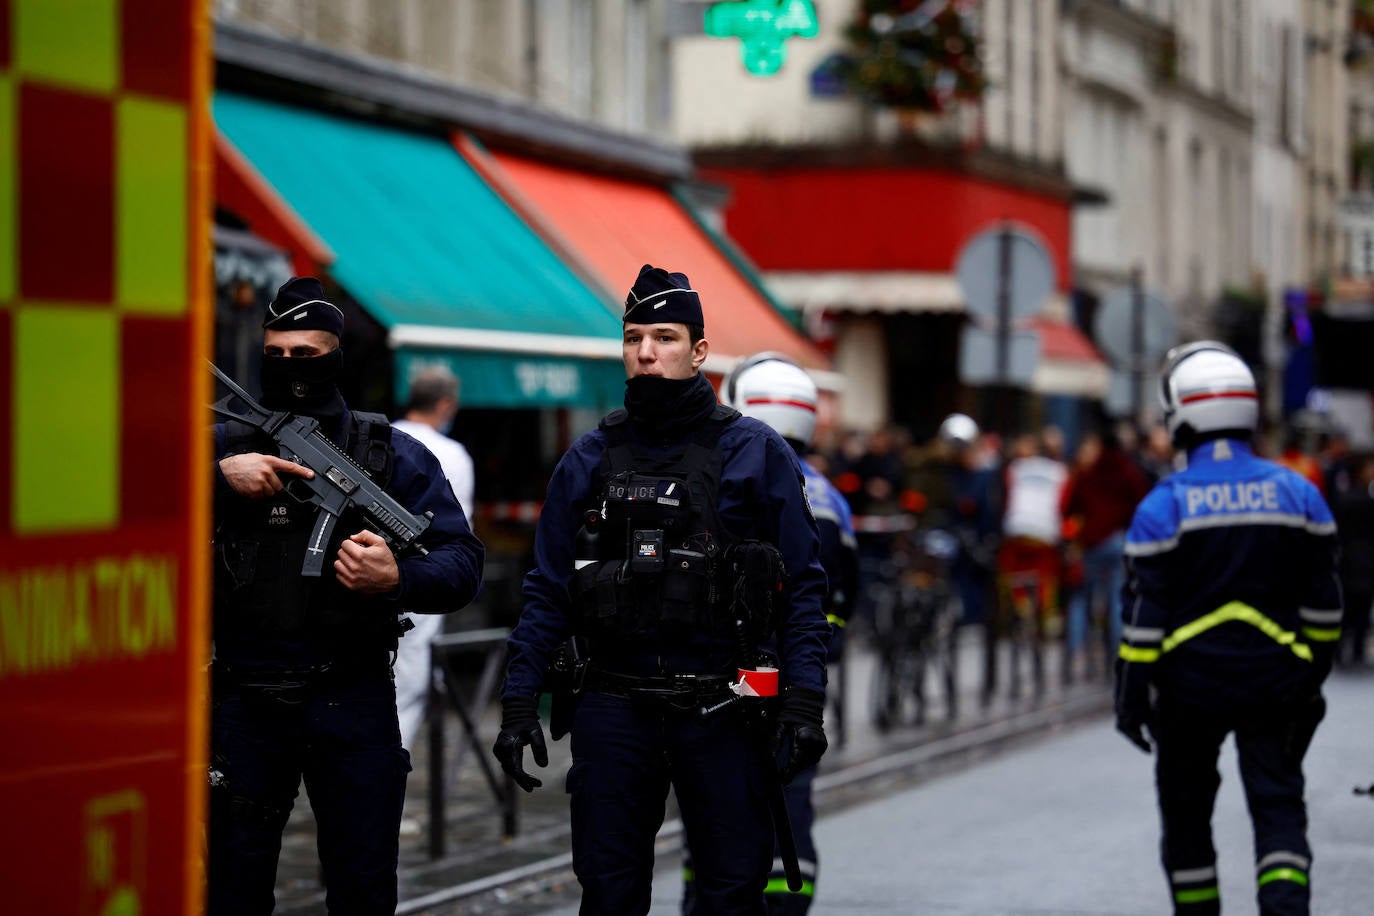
x=1219, y=48
x=636, y=64
x=581, y=58
x=1162, y=233
x=1230, y=227
x=1034, y=145
x=1008, y=69
x=1285, y=77
x=1238, y=30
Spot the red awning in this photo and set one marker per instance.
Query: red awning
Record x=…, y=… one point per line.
x=613, y=227
x=243, y=190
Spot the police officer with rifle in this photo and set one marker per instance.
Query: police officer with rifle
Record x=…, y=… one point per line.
x=329, y=525
x=675, y=548
x=1231, y=614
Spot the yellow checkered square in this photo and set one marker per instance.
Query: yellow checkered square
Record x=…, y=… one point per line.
x=73, y=43
x=151, y=175
x=66, y=419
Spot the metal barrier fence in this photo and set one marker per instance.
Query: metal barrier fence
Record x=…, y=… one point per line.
x=444, y=690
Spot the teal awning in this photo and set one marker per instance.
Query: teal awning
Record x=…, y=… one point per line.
x=435, y=255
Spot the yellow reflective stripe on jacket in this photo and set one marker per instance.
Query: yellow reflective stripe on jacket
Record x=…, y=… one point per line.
x=835, y=620
x=1233, y=610
x=1134, y=654
x=1239, y=610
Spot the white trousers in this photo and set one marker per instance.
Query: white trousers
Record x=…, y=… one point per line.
x=412, y=674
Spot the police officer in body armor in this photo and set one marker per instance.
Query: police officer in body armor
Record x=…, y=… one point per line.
x=1231, y=613
x=302, y=680
x=674, y=543
x=771, y=388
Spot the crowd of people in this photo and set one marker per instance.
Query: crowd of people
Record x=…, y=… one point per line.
x=1036, y=505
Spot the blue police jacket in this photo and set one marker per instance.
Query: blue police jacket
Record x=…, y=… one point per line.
x=839, y=545
x=1232, y=594
x=445, y=579
x=761, y=497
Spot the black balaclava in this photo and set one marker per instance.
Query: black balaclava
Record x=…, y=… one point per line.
x=301, y=385
x=668, y=408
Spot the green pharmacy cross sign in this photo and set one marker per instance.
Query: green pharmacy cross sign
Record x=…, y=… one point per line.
x=762, y=26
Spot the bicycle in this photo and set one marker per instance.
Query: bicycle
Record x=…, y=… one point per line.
x=1027, y=631
x=915, y=624
x=1027, y=579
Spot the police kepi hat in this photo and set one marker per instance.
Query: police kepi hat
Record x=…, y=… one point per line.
x=660, y=296
x=300, y=305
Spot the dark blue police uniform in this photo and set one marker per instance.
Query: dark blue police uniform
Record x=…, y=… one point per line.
x=627, y=749
x=1231, y=611
x=302, y=681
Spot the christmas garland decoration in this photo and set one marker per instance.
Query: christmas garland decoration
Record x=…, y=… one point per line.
x=916, y=54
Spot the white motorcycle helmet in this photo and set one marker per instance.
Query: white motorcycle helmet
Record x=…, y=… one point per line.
x=1207, y=390
x=770, y=387
x=959, y=430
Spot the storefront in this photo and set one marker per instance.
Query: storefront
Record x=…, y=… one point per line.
x=863, y=243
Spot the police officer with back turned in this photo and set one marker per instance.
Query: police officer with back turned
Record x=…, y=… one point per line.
x=1231, y=614
x=675, y=543
x=302, y=679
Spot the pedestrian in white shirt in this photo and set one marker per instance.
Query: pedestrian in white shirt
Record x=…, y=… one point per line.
x=429, y=415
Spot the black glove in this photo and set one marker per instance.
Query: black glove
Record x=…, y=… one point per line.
x=1133, y=703
x=519, y=727
x=1134, y=730
x=799, y=740
x=1304, y=717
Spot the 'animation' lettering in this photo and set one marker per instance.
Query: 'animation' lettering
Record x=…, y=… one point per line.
x=60, y=617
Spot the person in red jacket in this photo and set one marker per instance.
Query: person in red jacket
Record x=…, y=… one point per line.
x=1293, y=457
x=1101, y=496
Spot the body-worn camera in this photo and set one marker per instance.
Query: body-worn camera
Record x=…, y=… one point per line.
x=646, y=550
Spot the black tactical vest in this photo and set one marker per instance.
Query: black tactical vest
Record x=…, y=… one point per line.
x=658, y=542
x=260, y=545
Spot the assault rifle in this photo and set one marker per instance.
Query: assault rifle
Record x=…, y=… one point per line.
x=338, y=485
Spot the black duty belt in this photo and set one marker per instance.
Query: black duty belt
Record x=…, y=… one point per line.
x=685, y=690
x=351, y=671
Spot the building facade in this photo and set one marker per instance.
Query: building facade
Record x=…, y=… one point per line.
x=856, y=212
x=1160, y=120
x=600, y=61
x=1324, y=126
x=483, y=181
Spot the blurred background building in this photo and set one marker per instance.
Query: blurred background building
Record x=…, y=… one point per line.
x=1215, y=151
x=478, y=182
